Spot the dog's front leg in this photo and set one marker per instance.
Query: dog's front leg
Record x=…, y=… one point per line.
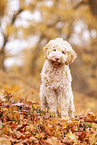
x=64, y=105
x=52, y=101
x=71, y=106
x=43, y=97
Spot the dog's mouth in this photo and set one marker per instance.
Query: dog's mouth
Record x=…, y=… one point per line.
x=56, y=62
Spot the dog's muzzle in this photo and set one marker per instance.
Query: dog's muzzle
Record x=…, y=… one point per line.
x=56, y=61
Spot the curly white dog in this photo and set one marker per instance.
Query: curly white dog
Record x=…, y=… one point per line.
x=56, y=91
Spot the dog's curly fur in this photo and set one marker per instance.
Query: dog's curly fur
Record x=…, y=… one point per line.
x=56, y=90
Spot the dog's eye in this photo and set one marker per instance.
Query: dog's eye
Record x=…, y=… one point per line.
x=54, y=49
x=63, y=52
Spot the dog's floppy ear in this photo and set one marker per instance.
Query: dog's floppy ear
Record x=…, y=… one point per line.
x=45, y=48
x=71, y=57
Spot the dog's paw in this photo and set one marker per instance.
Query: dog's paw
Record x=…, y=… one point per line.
x=65, y=118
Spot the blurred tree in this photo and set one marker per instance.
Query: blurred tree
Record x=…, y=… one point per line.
x=93, y=5
x=72, y=20
x=3, y=5
x=59, y=19
x=56, y=21
x=9, y=28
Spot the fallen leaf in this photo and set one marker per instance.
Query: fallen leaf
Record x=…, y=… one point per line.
x=18, y=135
x=4, y=141
x=21, y=126
x=53, y=141
x=27, y=134
x=6, y=131
x=91, y=116
x=32, y=140
x=93, y=139
x=72, y=136
x=82, y=135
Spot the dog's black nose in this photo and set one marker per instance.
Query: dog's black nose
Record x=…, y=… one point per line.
x=56, y=58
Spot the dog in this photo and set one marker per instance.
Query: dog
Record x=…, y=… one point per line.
x=55, y=90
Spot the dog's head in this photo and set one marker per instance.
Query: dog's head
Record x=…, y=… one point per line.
x=59, y=52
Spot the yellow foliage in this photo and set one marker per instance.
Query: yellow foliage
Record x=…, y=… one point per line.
x=4, y=140
x=10, y=29
x=13, y=89
x=72, y=136
x=57, y=19
x=3, y=5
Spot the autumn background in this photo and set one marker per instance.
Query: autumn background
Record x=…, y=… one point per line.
x=26, y=26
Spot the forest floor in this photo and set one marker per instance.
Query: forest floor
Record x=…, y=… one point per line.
x=23, y=122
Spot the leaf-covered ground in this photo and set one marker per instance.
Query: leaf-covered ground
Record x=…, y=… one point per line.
x=22, y=122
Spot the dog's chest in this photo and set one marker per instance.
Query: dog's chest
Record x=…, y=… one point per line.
x=57, y=77
x=57, y=73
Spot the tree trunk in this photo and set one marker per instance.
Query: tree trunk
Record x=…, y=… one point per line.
x=2, y=53
x=93, y=5
x=36, y=55
x=2, y=58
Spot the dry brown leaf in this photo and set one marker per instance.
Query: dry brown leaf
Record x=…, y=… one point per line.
x=93, y=140
x=27, y=134
x=72, y=136
x=91, y=116
x=22, y=126
x=18, y=135
x=32, y=140
x=6, y=131
x=53, y=141
x=4, y=141
x=82, y=135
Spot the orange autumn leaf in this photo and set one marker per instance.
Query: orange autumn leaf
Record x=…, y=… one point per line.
x=82, y=135
x=6, y=131
x=18, y=135
x=12, y=89
x=4, y=141
x=27, y=134
x=72, y=136
x=53, y=141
